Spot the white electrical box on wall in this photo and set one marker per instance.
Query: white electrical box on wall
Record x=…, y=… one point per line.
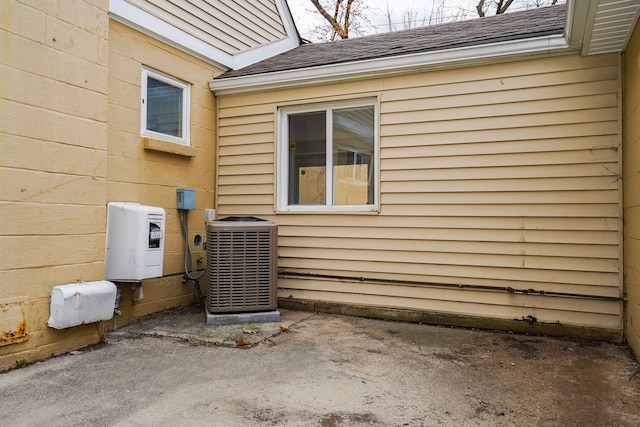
x=135, y=242
x=79, y=303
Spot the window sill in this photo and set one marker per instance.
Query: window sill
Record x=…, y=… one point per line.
x=342, y=211
x=168, y=147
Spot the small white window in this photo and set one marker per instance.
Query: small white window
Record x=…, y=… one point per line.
x=165, y=107
x=338, y=137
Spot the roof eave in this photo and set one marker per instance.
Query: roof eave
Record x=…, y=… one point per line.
x=390, y=65
x=601, y=26
x=144, y=22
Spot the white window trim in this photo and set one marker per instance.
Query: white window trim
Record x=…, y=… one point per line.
x=282, y=165
x=186, y=106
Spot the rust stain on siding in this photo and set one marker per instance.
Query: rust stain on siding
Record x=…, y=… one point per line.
x=19, y=334
x=13, y=324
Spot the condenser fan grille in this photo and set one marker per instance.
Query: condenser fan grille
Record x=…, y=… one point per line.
x=241, y=259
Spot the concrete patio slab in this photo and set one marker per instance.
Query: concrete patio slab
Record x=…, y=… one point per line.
x=325, y=370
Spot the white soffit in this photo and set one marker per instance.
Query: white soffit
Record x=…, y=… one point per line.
x=610, y=25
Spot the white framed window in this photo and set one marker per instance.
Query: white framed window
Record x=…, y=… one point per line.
x=339, y=137
x=164, y=107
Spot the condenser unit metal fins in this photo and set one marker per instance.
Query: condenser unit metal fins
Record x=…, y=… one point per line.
x=242, y=264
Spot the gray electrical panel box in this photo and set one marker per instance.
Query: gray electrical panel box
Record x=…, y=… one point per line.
x=186, y=198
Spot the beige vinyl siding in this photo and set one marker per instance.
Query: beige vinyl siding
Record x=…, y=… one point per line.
x=499, y=193
x=632, y=188
x=230, y=25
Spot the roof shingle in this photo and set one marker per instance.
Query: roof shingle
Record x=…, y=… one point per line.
x=511, y=26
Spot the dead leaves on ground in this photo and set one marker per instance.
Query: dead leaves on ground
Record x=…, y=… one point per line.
x=252, y=330
x=243, y=342
x=284, y=328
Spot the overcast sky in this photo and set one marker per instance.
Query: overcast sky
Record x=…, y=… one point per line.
x=307, y=18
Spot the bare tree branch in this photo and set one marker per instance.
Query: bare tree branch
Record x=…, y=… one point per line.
x=503, y=6
x=480, y=8
x=332, y=19
x=389, y=21
x=351, y=16
x=347, y=18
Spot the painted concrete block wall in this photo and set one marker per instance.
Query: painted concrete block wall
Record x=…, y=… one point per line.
x=149, y=171
x=70, y=143
x=53, y=164
x=631, y=120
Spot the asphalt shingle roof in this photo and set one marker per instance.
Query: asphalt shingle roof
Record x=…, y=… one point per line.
x=511, y=26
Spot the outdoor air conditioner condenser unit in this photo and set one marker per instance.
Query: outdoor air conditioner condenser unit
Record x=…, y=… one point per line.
x=242, y=265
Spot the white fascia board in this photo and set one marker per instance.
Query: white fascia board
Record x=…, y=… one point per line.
x=576, y=21
x=261, y=53
x=131, y=16
x=248, y=57
x=589, y=20
x=388, y=66
x=287, y=21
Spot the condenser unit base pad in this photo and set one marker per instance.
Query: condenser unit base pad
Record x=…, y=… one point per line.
x=239, y=318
